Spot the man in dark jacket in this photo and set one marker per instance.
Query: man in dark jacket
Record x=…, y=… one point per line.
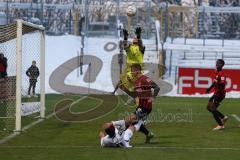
x=3, y=66
x=32, y=73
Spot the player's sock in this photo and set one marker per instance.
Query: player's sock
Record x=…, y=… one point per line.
x=217, y=118
x=149, y=137
x=220, y=114
x=126, y=138
x=144, y=130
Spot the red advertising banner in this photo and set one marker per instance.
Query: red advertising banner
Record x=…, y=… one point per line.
x=197, y=80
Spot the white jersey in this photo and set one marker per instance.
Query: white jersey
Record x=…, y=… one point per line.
x=118, y=138
x=121, y=137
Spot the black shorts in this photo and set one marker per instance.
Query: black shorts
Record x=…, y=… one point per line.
x=217, y=99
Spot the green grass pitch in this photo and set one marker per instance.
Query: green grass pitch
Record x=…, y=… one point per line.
x=182, y=128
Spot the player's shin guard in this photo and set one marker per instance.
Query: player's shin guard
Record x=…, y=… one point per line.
x=144, y=130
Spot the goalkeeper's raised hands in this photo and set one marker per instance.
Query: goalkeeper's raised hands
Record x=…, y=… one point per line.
x=138, y=32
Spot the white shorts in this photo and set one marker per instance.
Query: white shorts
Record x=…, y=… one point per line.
x=106, y=141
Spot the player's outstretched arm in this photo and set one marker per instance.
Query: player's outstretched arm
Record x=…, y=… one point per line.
x=138, y=32
x=125, y=39
x=116, y=88
x=209, y=89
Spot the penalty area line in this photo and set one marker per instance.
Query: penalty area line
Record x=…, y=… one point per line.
x=236, y=117
x=137, y=147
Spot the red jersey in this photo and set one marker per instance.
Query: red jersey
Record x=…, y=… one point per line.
x=143, y=87
x=3, y=64
x=2, y=68
x=220, y=83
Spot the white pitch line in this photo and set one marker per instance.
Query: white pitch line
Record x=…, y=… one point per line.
x=189, y=148
x=137, y=147
x=32, y=124
x=236, y=117
x=9, y=137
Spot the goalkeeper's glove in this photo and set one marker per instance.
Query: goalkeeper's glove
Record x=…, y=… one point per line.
x=138, y=32
x=125, y=34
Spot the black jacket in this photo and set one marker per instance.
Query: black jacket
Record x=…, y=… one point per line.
x=33, y=72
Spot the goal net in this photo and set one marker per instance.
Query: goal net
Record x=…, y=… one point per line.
x=22, y=71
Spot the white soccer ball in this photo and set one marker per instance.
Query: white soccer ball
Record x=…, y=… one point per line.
x=131, y=11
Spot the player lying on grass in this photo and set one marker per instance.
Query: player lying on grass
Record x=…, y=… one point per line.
x=135, y=52
x=118, y=133
x=143, y=87
x=219, y=85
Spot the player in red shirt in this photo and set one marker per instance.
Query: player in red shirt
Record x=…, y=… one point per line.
x=219, y=85
x=143, y=88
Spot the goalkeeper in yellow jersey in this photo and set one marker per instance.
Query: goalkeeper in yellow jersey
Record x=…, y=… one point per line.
x=135, y=52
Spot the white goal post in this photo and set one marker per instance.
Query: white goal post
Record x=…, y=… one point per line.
x=22, y=43
x=20, y=24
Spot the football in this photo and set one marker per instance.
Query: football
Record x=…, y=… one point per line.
x=131, y=11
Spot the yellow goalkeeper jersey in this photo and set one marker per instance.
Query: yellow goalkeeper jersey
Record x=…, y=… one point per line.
x=134, y=55
x=127, y=78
